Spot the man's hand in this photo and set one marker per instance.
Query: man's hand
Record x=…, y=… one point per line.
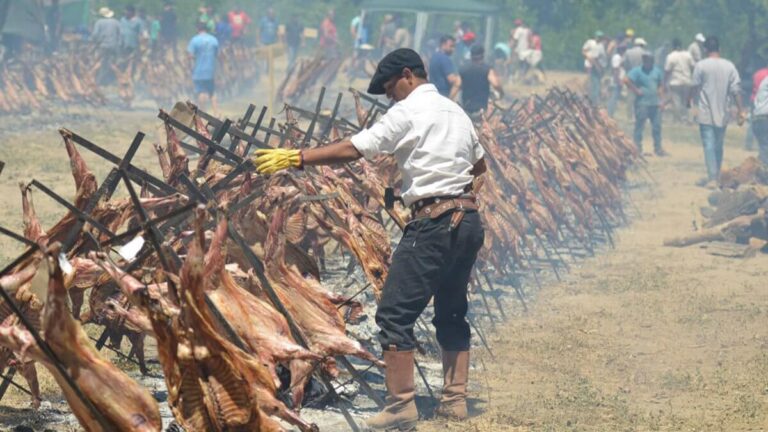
x=270, y=161
x=741, y=118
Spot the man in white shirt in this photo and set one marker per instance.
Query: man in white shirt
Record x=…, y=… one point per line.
x=678, y=74
x=596, y=62
x=519, y=40
x=617, y=81
x=439, y=155
x=696, y=47
x=521, y=36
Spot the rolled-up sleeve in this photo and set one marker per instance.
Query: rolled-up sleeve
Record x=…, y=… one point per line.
x=384, y=135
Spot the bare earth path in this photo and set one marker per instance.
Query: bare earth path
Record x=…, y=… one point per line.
x=642, y=337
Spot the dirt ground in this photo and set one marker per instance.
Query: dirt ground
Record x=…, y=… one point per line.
x=640, y=337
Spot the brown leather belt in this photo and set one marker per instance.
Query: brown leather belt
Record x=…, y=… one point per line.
x=441, y=206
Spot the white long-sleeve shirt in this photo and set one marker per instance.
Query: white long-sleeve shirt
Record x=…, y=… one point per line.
x=433, y=141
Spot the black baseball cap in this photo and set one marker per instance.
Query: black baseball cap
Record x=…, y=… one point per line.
x=392, y=65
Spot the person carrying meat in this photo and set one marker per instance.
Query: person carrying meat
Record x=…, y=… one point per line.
x=439, y=155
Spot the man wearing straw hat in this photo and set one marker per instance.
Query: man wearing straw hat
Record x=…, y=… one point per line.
x=106, y=37
x=439, y=155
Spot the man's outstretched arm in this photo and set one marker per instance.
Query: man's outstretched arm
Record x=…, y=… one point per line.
x=337, y=153
x=270, y=161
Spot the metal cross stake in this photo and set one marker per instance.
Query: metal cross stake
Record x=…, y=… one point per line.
x=156, y=186
x=259, y=269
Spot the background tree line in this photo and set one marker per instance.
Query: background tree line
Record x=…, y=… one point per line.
x=564, y=25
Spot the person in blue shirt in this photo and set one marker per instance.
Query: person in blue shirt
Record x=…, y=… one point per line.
x=442, y=72
x=130, y=31
x=647, y=83
x=223, y=30
x=268, y=28
x=203, y=50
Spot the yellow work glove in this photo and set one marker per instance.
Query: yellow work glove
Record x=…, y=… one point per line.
x=270, y=161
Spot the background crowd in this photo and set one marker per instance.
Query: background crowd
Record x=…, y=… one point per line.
x=654, y=72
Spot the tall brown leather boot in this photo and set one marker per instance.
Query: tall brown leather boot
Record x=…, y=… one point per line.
x=400, y=413
x=453, y=403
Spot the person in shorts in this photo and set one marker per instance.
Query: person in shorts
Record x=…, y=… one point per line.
x=203, y=50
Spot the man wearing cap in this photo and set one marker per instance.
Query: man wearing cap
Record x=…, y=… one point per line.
x=629, y=38
x=633, y=58
x=595, y=61
x=696, y=47
x=106, y=37
x=477, y=78
x=439, y=155
x=442, y=71
x=464, y=47
x=647, y=83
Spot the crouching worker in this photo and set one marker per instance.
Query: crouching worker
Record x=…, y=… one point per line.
x=438, y=154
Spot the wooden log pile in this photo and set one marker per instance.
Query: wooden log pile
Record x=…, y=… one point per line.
x=735, y=222
x=222, y=267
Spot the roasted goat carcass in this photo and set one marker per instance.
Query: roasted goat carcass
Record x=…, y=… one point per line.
x=18, y=286
x=213, y=384
x=255, y=320
x=124, y=405
x=315, y=314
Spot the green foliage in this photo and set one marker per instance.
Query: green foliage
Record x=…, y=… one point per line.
x=565, y=24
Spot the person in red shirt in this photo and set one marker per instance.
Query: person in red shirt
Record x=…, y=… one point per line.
x=533, y=61
x=239, y=21
x=757, y=79
x=329, y=40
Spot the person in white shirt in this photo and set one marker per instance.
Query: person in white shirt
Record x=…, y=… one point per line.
x=520, y=41
x=716, y=83
x=617, y=78
x=439, y=155
x=595, y=62
x=696, y=47
x=617, y=75
x=678, y=75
